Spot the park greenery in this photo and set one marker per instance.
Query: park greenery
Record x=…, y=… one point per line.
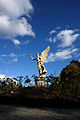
x=68, y=83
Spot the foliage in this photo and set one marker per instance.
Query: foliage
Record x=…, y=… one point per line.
x=68, y=83
x=70, y=78
x=7, y=85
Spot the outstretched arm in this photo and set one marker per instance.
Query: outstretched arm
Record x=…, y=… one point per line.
x=32, y=57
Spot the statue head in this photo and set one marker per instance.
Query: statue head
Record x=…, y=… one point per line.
x=37, y=54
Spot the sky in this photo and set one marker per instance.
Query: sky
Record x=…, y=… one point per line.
x=29, y=26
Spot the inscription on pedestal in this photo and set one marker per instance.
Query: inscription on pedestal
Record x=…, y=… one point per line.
x=41, y=83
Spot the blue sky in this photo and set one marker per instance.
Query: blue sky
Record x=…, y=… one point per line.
x=28, y=27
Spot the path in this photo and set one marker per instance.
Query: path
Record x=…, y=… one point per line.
x=8, y=112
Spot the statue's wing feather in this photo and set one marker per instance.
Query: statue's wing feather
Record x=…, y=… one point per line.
x=44, y=54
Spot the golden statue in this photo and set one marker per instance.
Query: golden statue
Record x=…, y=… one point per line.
x=40, y=61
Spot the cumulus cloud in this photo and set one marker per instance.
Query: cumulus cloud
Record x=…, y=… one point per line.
x=64, y=44
x=67, y=37
x=12, y=23
x=61, y=55
x=15, y=8
x=12, y=28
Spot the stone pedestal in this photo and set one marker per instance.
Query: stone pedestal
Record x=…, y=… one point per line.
x=41, y=83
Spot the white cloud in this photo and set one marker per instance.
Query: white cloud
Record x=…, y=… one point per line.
x=78, y=54
x=66, y=54
x=12, y=28
x=2, y=76
x=61, y=55
x=52, y=31
x=11, y=58
x=67, y=37
x=23, y=54
x=57, y=27
x=13, y=55
x=15, y=8
x=51, y=58
x=16, y=42
x=12, y=23
x=52, y=39
x=14, y=60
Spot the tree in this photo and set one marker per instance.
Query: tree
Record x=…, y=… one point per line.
x=70, y=78
x=27, y=80
x=71, y=73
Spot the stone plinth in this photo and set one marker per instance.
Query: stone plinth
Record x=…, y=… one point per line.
x=41, y=83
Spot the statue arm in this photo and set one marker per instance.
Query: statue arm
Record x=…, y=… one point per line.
x=32, y=57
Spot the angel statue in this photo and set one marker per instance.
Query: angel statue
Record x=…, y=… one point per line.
x=40, y=61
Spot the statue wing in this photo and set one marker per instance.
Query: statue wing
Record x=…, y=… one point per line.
x=44, y=54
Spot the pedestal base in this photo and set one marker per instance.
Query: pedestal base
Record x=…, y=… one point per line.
x=41, y=83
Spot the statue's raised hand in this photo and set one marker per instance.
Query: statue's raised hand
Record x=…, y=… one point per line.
x=30, y=55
